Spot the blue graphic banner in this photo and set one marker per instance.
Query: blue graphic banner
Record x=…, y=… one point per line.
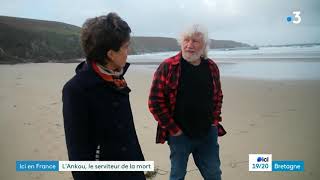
x=37, y=165
x=282, y=166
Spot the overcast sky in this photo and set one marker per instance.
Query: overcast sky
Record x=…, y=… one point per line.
x=259, y=22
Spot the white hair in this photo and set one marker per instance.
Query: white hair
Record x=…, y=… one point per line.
x=195, y=29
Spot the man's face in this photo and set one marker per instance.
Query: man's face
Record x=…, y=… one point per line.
x=192, y=47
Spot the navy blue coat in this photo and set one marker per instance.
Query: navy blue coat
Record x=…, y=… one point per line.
x=97, y=115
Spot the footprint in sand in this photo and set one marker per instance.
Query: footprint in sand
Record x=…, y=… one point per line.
x=54, y=103
x=27, y=123
x=36, y=150
x=235, y=164
x=252, y=124
x=269, y=115
x=243, y=132
x=18, y=78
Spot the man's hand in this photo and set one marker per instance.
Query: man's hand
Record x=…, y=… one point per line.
x=178, y=133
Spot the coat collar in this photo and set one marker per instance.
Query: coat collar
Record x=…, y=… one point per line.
x=85, y=66
x=89, y=77
x=176, y=58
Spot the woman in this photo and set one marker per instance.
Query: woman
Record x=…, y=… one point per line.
x=97, y=115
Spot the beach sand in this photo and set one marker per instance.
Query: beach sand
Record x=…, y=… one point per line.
x=273, y=117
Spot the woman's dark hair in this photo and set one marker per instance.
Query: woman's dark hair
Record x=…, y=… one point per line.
x=101, y=34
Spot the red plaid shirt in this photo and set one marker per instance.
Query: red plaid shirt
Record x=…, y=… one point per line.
x=162, y=98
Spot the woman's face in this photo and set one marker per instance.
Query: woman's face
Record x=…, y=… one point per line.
x=118, y=59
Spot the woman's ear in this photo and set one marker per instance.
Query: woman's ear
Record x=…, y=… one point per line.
x=111, y=54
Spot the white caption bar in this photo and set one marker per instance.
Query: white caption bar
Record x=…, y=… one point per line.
x=106, y=165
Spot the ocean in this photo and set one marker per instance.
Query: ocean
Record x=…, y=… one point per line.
x=268, y=63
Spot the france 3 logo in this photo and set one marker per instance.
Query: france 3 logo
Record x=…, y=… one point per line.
x=296, y=19
x=260, y=162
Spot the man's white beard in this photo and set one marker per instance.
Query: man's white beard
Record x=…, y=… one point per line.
x=191, y=57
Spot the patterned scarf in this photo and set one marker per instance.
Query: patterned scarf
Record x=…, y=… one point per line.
x=112, y=77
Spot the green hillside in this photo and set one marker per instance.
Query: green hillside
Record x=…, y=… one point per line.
x=27, y=40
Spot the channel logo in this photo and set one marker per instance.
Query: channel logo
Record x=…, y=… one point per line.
x=260, y=162
x=262, y=159
x=264, y=162
x=296, y=19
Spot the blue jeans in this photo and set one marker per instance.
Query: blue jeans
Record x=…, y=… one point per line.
x=205, y=152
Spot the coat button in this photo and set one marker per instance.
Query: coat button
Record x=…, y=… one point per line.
x=115, y=104
x=123, y=149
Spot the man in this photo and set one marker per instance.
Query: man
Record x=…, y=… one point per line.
x=186, y=99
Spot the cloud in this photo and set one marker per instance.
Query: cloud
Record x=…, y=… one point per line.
x=256, y=22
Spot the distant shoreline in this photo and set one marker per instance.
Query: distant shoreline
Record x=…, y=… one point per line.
x=224, y=60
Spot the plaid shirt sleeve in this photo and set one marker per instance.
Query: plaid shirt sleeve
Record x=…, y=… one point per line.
x=159, y=101
x=218, y=96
